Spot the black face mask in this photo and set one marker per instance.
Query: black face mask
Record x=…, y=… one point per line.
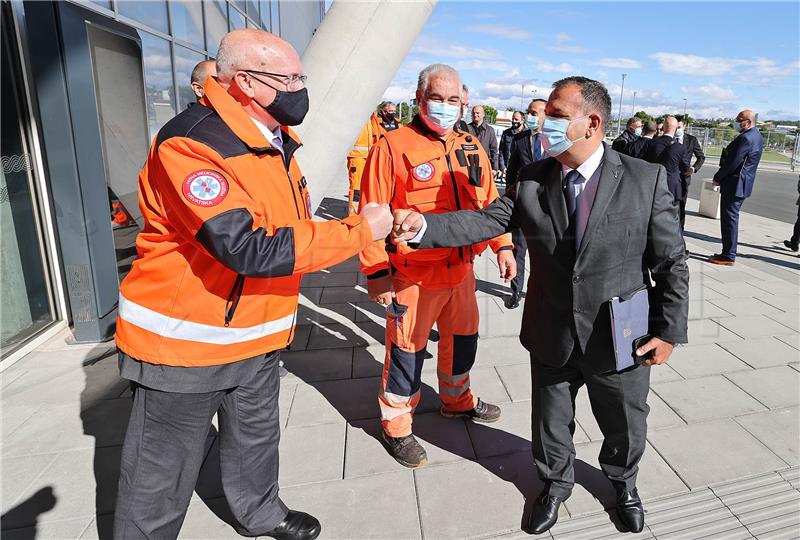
x=288, y=108
x=389, y=116
x=516, y=125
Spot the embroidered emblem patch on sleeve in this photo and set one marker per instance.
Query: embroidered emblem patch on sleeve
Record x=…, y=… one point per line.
x=205, y=188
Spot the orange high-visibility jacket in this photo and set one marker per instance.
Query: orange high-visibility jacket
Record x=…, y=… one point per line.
x=413, y=168
x=368, y=137
x=227, y=236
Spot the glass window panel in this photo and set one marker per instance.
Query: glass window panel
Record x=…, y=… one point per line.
x=216, y=24
x=158, y=81
x=275, y=16
x=237, y=19
x=150, y=13
x=265, y=15
x=187, y=21
x=252, y=9
x=241, y=4
x=185, y=60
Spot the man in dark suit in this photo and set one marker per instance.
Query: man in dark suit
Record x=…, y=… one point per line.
x=598, y=224
x=693, y=148
x=666, y=151
x=638, y=148
x=736, y=175
x=525, y=148
x=633, y=130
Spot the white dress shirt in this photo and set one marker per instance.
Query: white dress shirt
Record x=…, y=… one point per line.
x=585, y=190
x=275, y=138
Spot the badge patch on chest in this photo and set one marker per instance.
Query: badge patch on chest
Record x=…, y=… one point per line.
x=205, y=188
x=423, y=172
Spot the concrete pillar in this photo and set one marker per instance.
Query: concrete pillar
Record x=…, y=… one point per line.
x=350, y=62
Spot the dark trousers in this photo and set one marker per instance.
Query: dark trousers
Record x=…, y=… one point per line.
x=520, y=254
x=682, y=210
x=619, y=403
x=730, y=205
x=796, y=232
x=164, y=449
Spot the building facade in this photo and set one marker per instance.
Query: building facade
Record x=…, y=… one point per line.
x=86, y=85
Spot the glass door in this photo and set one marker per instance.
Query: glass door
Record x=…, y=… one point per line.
x=26, y=303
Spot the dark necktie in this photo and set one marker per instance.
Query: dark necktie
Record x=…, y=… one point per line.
x=572, y=178
x=537, y=148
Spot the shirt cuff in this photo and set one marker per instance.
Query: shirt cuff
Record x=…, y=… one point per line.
x=418, y=238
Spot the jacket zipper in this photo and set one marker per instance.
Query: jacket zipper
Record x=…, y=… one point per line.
x=233, y=299
x=455, y=191
x=294, y=195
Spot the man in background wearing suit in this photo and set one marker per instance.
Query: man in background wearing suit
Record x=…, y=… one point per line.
x=633, y=130
x=638, y=148
x=693, y=148
x=665, y=150
x=736, y=175
x=525, y=148
x=598, y=224
x=484, y=133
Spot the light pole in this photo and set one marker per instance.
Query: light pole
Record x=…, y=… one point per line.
x=684, y=111
x=522, y=96
x=619, y=114
x=633, y=108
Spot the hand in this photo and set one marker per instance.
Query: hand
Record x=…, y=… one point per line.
x=381, y=290
x=715, y=182
x=690, y=172
x=661, y=351
x=379, y=218
x=407, y=224
x=507, y=264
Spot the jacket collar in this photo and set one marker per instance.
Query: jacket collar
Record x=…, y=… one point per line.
x=235, y=117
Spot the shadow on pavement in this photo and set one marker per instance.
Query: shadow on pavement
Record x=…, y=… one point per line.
x=28, y=511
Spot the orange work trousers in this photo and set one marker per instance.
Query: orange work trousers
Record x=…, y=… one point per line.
x=355, y=168
x=455, y=312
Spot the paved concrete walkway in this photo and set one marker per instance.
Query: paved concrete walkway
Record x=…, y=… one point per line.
x=722, y=455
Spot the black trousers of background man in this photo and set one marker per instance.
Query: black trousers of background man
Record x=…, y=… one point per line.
x=619, y=404
x=165, y=445
x=520, y=254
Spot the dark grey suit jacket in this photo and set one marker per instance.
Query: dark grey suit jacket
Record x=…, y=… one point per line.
x=633, y=232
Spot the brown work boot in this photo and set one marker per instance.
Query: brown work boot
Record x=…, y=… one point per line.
x=483, y=412
x=406, y=450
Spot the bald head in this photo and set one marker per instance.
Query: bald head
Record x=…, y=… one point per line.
x=745, y=120
x=670, y=125
x=202, y=71
x=252, y=49
x=478, y=114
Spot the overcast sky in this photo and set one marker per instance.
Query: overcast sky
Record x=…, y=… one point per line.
x=721, y=56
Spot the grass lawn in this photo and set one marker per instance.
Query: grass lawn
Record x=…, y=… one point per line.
x=766, y=156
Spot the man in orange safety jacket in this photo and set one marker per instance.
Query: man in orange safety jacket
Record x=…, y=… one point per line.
x=211, y=298
x=431, y=168
x=381, y=122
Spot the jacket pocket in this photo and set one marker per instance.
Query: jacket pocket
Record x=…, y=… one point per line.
x=233, y=299
x=428, y=199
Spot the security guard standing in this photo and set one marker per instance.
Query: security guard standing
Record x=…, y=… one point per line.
x=381, y=122
x=212, y=295
x=429, y=167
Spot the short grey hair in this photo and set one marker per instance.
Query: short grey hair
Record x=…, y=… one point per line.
x=230, y=58
x=594, y=94
x=424, y=81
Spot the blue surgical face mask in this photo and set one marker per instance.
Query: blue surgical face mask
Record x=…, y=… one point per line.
x=679, y=133
x=441, y=116
x=554, y=134
x=638, y=132
x=532, y=121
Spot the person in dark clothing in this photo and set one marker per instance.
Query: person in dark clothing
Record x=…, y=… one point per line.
x=664, y=151
x=484, y=133
x=633, y=130
x=525, y=148
x=693, y=148
x=794, y=242
x=461, y=125
x=639, y=147
x=517, y=126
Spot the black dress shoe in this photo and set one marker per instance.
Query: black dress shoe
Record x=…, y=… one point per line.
x=512, y=301
x=544, y=514
x=295, y=526
x=630, y=510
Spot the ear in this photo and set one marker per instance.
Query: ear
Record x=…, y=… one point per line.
x=243, y=84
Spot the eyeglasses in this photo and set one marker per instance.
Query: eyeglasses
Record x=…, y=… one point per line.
x=288, y=80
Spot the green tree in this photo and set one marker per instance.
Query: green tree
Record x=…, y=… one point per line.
x=491, y=114
x=643, y=116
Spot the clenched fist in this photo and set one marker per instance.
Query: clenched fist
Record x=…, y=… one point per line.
x=407, y=224
x=379, y=218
